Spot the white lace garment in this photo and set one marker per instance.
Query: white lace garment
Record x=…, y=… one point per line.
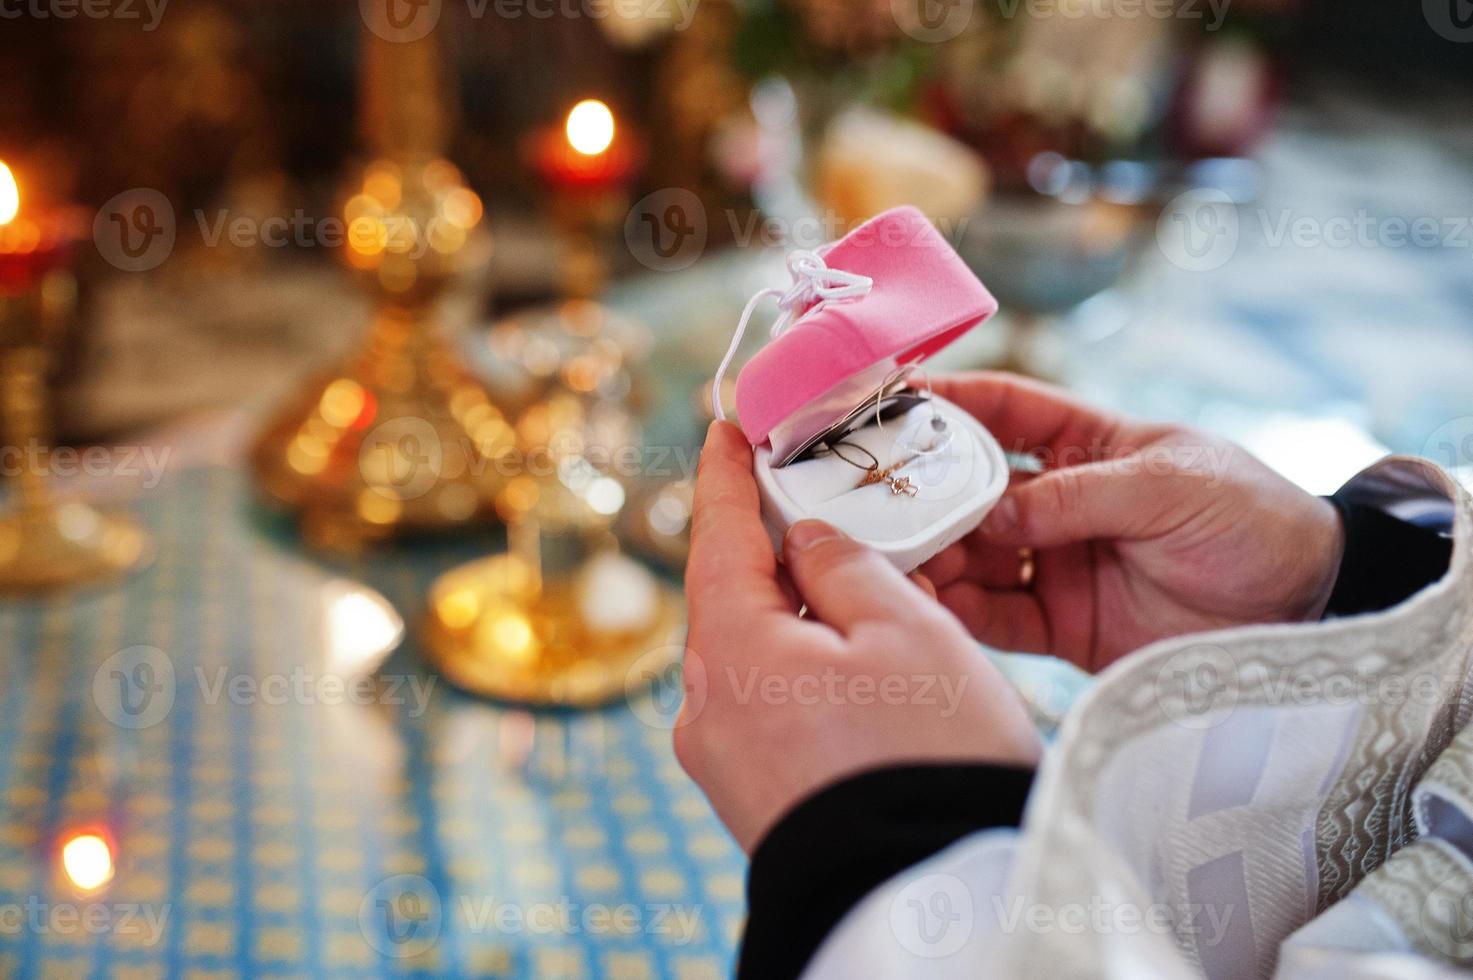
x=1268, y=801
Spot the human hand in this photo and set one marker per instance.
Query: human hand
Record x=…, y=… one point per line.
x=778, y=706
x=1139, y=532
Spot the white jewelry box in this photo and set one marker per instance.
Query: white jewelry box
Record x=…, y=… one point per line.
x=859, y=317
x=954, y=487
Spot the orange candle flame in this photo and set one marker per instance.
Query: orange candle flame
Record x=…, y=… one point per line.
x=590, y=127
x=88, y=861
x=9, y=195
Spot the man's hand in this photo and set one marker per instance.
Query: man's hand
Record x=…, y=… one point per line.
x=1140, y=532
x=778, y=706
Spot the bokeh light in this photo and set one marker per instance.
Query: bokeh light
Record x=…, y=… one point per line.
x=590, y=127
x=10, y=193
x=88, y=861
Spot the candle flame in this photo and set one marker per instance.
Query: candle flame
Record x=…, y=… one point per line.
x=9, y=195
x=88, y=861
x=590, y=127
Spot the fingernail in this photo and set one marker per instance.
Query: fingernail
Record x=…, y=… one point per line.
x=806, y=534
x=1003, y=517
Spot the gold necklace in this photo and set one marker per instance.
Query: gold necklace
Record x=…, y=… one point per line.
x=900, y=486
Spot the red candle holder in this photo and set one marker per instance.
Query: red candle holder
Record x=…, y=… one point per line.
x=34, y=241
x=589, y=152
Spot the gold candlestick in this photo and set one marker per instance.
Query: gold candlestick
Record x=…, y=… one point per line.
x=562, y=617
x=401, y=439
x=46, y=543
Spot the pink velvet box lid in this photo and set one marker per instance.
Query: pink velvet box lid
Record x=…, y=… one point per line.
x=923, y=298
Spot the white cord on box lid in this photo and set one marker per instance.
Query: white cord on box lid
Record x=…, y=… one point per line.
x=813, y=282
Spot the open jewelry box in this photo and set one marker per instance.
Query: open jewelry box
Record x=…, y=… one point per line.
x=839, y=432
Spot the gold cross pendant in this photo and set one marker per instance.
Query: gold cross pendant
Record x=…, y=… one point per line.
x=875, y=475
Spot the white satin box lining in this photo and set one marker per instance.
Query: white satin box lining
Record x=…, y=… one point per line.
x=955, y=488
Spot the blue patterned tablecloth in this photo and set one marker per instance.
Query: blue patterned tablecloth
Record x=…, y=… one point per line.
x=265, y=832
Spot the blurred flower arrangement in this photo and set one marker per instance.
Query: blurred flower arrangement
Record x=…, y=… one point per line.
x=1015, y=81
x=836, y=51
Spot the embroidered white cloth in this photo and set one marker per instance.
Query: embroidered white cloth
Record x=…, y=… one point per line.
x=1269, y=801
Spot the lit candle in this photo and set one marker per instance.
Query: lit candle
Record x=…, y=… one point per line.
x=588, y=152
x=87, y=860
x=9, y=195
x=590, y=127
x=33, y=242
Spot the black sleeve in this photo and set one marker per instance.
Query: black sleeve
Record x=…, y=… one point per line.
x=842, y=842
x=1386, y=559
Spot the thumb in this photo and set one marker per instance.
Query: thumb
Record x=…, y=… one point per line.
x=846, y=583
x=1079, y=503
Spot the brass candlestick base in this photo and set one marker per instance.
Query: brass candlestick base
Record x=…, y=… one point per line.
x=47, y=544
x=402, y=440
x=67, y=545
x=494, y=630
